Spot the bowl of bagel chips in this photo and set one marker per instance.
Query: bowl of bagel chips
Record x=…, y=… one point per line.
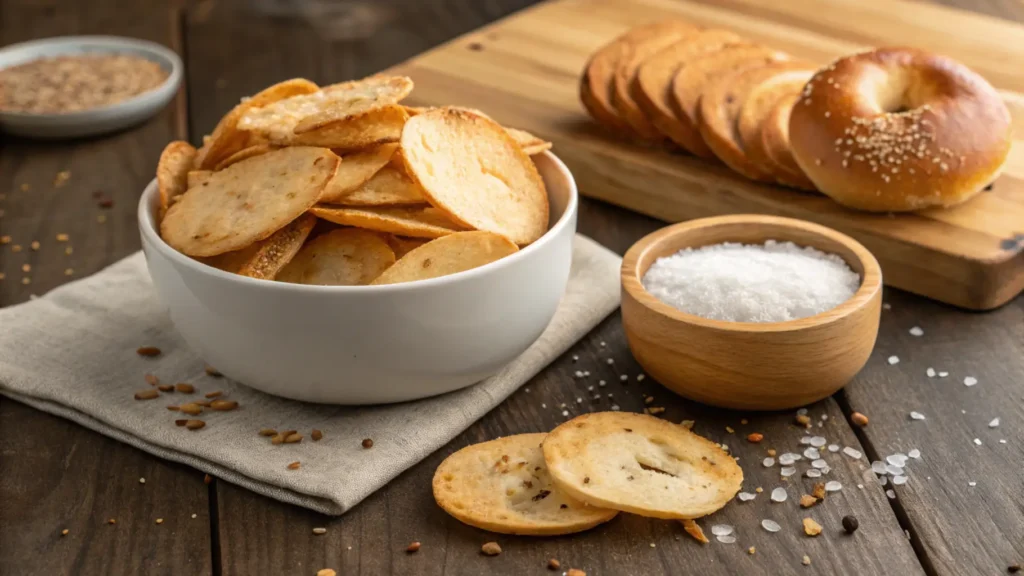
x=331, y=244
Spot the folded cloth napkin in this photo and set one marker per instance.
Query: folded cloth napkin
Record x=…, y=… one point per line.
x=73, y=353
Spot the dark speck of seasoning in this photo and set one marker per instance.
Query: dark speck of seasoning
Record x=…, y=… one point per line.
x=541, y=495
x=729, y=99
x=476, y=47
x=368, y=443
x=586, y=479
x=989, y=187
x=628, y=429
x=850, y=524
x=1013, y=568
x=564, y=506
x=426, y=263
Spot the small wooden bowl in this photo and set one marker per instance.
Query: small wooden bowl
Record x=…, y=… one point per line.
x=746, y=365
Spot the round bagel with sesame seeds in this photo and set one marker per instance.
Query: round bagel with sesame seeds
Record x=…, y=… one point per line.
x=899, y=129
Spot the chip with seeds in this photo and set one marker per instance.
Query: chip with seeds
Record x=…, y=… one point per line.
x=640, y=464
x=448, y=255
x=172, y=171
x=388, y=187
x=345, y=257
x=469, y=167
x=418, y=222
x=503, y=486
x=356, y=169
x=248, y=201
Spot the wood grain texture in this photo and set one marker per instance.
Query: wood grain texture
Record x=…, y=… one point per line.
x=526, y=75
x=750, y=366
x=55, y=474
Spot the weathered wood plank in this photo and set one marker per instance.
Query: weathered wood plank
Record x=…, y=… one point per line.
x=55, y=474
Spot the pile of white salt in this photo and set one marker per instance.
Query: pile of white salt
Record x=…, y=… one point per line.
x=773, y=282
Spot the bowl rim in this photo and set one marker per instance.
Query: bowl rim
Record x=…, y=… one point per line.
x=150, y=235
x=870, y=286
x=69, y=45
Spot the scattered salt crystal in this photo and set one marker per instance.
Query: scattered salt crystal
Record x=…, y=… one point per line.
x=897, y=459
x=787, y=471
x=721, y=529
x=818, y=441
x=746, y=496
x=602, y=383
x=890, y=494
x=970, y=381
x=916, y=416
x=930, y=372
x=726, y=539
x=812, y=454
x=768, y=462
x=819, y=464
x=579, y=400
x=579, y=373
x=1002, y=441
x=565, y=412
x=972, y=484
x=779, y=495
x=977, y=441
x=527, y=390
x=801, y=411
x=899, y=480
x=575, y=357
x=861, y=486
x=943, y=374
x=773, y=282
x=806, y=440
x=586, y=373
x=915, y=453
x=543, y=405
x=610, y=361
x=813, y=473
x=770, y=525
x=894, y=360
x=789, y=458
x=615, y=407
x=833, y=447
x=833, y=486
x=916, y=331
x=824, y=417
x=623, y=377
x=603, y=344
x=883, y=480
x=590, y=388
x=640, y=377
x=563, y=405
x=886, y=306
x=852, y=453
x=994, y=423
x=894, y=470
x=878, y=467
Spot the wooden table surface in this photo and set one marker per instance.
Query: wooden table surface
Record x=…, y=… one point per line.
x=961, y=512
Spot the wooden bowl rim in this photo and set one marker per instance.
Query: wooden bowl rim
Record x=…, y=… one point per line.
x=871, y=281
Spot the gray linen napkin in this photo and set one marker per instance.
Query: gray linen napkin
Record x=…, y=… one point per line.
x=72, y=353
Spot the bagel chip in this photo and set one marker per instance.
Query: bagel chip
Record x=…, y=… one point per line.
x=388, y=187
x=367, y=130
x=172, y=171
x=345, y=257
x=355, y=170
x=248, y=201
x=418, y=222
x=471, y=169
x=197, y=177
x=503, y=486
x=450, y=254
x=274, y=253
x=403, y=246
x=640, y=464
x=529, y=143
x=244, y=153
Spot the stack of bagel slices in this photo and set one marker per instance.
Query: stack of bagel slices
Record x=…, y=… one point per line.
x=880, y=131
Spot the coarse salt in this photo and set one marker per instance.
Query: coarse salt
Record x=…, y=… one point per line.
x=773, y=282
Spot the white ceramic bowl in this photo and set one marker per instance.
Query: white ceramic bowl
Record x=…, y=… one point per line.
x=368, y=344
x=97, y=120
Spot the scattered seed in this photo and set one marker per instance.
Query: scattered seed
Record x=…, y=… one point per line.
x=16, y=248
x=148, y=351
x=26, y=280
x=147, y=394
x=367, y=443
x=268, y=432
x=223, y=405
x=806, y=501
x=758, y=489
x=859, y=419
x=806, y=560
x=755, y=437
x=26, y=267
x=316, y=435
x=491, y=548
x=293, y=438
x=159, y=520
x=694, y=530
x=818, y=491
x=112, y=521
x=803, y=419
x=328, y=571
x=850, y=524
x=211, y=371
x=191, y=408
x=294, y=465
x=771, y=452
x=554, y=564
x=194, y=424
x=34, y=245
x=165, y=388
x=214, y=394
x=751, y=550
x=202, y=403
x=62, y=237
x=184, y=388
x=811, y=528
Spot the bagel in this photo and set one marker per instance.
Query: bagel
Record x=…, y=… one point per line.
x=899, y=129
x=639, y=49
x=689, y=83
x=756, y=117
x=777, y=148
x=653, y=85
x=597, y=81
x=720, y=105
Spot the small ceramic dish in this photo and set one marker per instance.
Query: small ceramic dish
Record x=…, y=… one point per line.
x=368, y=344
x=96, y=120
x=750, y=366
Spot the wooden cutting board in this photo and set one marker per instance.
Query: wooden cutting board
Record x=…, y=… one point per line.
x=524, y=71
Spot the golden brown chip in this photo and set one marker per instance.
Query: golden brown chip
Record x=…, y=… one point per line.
x=419, y=222
x=232, y=261
x=528, y=142
x=172, y=171
x=197, y=177
x=248, y=201
x=244, y=153
x=388, y=187
x=448, y=255
x=345, y=257
x=372, y=128
x=228, y=138
x=403, y=246
x=278, y=250
x=355, y=169
x=469, y=167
